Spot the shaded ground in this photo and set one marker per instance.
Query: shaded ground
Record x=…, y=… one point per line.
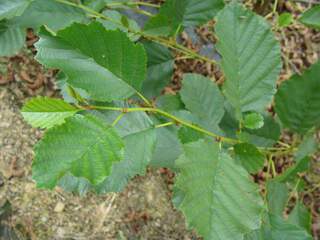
x=143, y=210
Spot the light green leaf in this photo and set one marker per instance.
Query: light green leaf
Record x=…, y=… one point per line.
x=249, y=157
x=12, y=38
x=297, y=100
x=203, y=99
x=107, y=72
x=139, y=138
x=160, y=69
x=217, y=193
x=253, y=120
x=311, y=17
x=49, y=12
x=46, y=112
x=285, y=19
x=116, y=16
x=175, y=14
x=12, y=8
x=251, y=59
x=300, y=216
x=277, y=196
x=83, y=146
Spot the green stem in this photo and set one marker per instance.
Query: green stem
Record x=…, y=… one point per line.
x=133, y=4
x=117, y=119
x=164, y=124
x=168, y=115
x=162, y=41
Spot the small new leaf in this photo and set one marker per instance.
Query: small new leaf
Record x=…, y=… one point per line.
x=253, y=120
x=46, y=112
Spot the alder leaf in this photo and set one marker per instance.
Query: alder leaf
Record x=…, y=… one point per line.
x=12, y=8
x=12, y=38
x=175, y=14
x=277, y=196
x=300, y=216
x=160, y=69
x=49, y=12
x=107, y=71
x=217, y=193
x=203, y=99
x=47, y=112
x=297, y=100
x=249, y=157
x=311, y=17
x=253, y=120
x=83, y=146
x=251, y=59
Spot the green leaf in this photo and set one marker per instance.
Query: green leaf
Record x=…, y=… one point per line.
x=217, y=193
x=46, y=112
x=168, y=148
x=170, y=103
x=249, y=157
x=12, y=38
x=251, y=59
x=139, y=148
x=83, y=146
x=203, y=98
x=311, y=17
x=285, y=19
x=277, y=196
x=307, y=147
x=265, y=136
x=297, y=100
x=292, y=172
x=186, y=13
x=160, y=69
x=300, y=216
x=278, y=229
x=49, y=12
x=107, y=72
x=118, y=17
x=139, y=138
x=12, y=8
x=187, y=135
x=253, y=120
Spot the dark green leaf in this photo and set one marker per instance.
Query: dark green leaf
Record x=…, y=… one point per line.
x=216, y=193
x=251, y=59
x=297, y=100
x=175, y=14
x=292, y=172
x=249, y=157
x=187, y=135
x=102, y=71
x=170, y=103
x=311, y=17
x=160, y=69
x=307, y=147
